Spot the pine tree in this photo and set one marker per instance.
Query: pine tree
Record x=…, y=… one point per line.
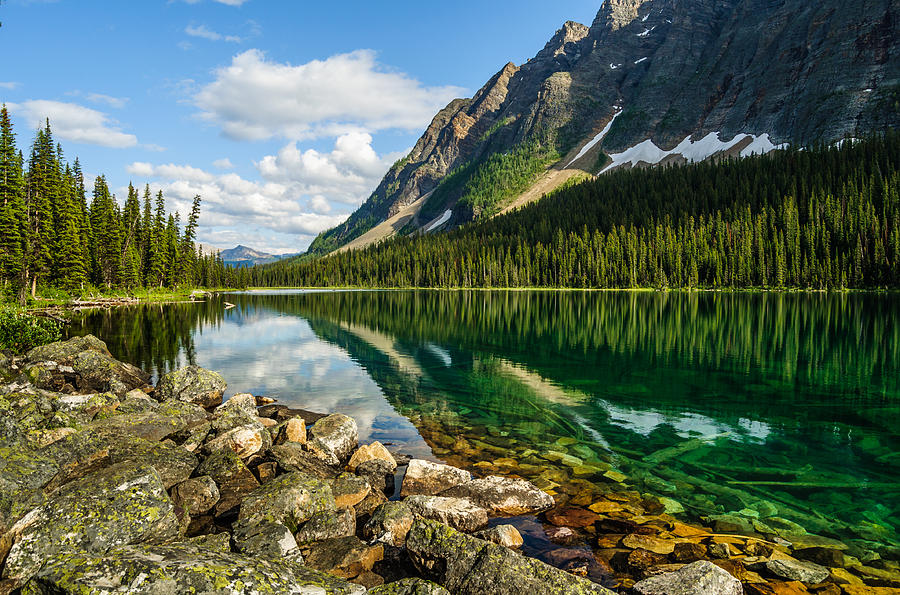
x=12, y=204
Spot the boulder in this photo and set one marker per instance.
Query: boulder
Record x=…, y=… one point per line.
x=292, y=430
x=344, y=557
x=266, y=540
x=334, y=438
x=180, y=568
x=797, y=570
x=699, y=578
x=458, y=513
x=505, y=535
x=365, y=508
x=503, y=495
x=291, y=457
x=243, y=402
x=465, y=565
x=61, y=350
x=390, y=523
x=427, y=478
x=192, y=385
x=410, y=586
x=291, y=499
x=824, y=556
x=327, y=525
x=687, y=552
x=245, y=440
x=88, y=371
x=378, y=474
x=369, y=452
x=349, y=490
x=197, y=495
x=118, y=505
x=232, y=478
x=217, y=542
x=166, y=419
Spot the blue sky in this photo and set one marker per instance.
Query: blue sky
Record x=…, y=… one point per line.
x=283, y=115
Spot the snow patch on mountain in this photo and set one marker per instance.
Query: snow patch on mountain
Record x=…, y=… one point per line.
x=593, y=142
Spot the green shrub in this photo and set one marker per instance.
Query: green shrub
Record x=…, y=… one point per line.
x=20, y=331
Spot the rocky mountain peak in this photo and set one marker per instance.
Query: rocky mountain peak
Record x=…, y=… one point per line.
x=615, y=14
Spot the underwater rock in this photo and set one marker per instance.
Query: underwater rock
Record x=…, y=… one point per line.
x=503, y=495
x=459, y=513
x=466, y=565
x=688, y=552
x=427, y=478
x=699, y=578
x=192, y=385
x=796, y=570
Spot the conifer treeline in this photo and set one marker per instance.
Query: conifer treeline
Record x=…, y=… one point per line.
x=819, y=218
x=50, y=235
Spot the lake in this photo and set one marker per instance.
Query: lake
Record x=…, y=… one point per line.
x=780, y=410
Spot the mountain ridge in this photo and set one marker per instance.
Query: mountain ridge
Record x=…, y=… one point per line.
x=663, y=75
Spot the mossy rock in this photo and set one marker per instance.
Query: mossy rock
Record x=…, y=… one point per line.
x=291, y=499
x=192, y=385
x=56, y=352
x=410, y=586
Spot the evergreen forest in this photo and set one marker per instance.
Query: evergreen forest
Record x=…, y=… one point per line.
x=815, y=218
x=53, y=236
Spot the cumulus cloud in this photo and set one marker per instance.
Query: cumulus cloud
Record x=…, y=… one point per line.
x=76, y=123
x=204, y=32
x=254, y=98
x=224, y=163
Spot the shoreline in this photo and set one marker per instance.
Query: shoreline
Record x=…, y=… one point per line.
x=632, y=536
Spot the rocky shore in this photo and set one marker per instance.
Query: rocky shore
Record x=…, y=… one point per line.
x=110, y=485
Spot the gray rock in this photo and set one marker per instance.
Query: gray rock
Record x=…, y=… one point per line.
x=61, y=350
x=164, y=420
x=82, y=364
x=291, y=499
x=245, y=440
x=465, y=565
x=334, y=438
x=390, y=523
x=349, y=490
x=797, y=570
x=244, y=402
x=218, y=542
x=378, y=474
x=180, y=568
x=699, y=578
x=192, y=385
x=197, y=495
x=505, y=535
x=345, y=557
x=119, y=505
x=291, y=457
x=266, y=540
x=503, y=496
x=458, y=513
x=410, y=586
x=327, y=525
x=427, y=478
x=232, y=478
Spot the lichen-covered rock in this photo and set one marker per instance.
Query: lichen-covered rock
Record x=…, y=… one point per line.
x=83, y=408
x=292, y=430
x=61, y=350
x=699, y=578
x=180, y=568
x=379, y=474
x=349, y=490
x=119, y=505
x=390, y=523
x=369, y=452
x=465, y=565
x=164, y=420
x=365, y=508
x=327, y=525
x=243, y=402
x=291, y=457
x=82, y=364
x=197, y=495
x=427, y=478
x=266, y=540
x=232, y=478
x=23, y=472
x=344, y=557
x=458, y=513
x=334, y=438
x=217, y=542
x=192, y=385
x=245, y=440
x=503, y=495
x=410, y=586
x=797, y=570
x=505, y=535
x=291, y=499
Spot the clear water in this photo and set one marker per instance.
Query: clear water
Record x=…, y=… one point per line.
x=778, y=406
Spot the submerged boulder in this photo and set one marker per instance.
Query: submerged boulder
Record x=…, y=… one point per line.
x=503, y=496
x=192, y=385
x=468, y=566
x=427, y=478
x=180, y=568
x=699, y=578
x=118, y=505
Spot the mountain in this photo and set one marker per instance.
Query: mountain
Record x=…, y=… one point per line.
x=242, y=256
x=649, y=82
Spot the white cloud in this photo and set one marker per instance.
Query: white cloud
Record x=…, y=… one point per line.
x=10, y=85
x=224, y=163
x=254, y=98
x=70, y=121
x=116, y=102
x=320, y=204
x=153, y=147
x=204, y=32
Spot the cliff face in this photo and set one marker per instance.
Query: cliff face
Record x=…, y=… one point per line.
x=797, y=71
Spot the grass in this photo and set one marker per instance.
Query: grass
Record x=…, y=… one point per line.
x=49, y=297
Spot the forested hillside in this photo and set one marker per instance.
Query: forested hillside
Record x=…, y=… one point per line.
x=50, y=236
x=818, y=218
